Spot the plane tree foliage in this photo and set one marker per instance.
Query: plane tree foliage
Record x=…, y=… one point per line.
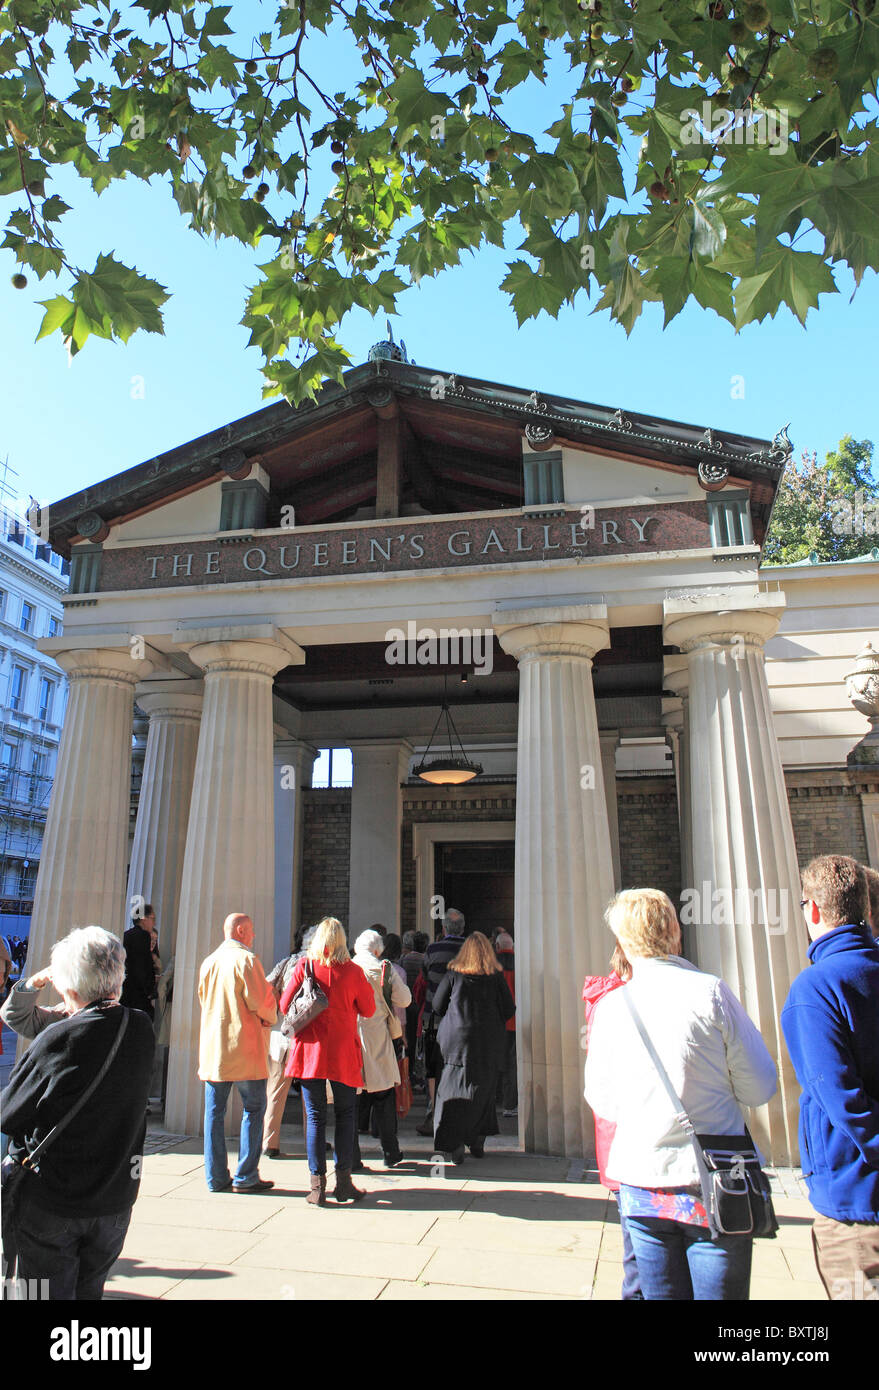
x=717, y=150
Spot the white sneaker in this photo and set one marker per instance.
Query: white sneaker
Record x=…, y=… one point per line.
x=509, y=1113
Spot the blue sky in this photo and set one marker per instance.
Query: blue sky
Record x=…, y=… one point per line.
x=66, y=425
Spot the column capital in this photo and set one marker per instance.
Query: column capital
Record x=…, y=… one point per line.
x=722, y=620
x=578, y=630
x=105, y=663
x=255, y=657
x=171, y=699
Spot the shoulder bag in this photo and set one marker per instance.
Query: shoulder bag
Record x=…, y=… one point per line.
x=307, y=1004
x=395, y=1027
x=15, y=1170
x=735, y=1190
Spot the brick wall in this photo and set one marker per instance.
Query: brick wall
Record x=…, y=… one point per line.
x=826, y=813
x=326, y=853
x=650, y=845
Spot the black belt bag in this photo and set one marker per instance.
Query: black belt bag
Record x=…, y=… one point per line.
x=735, y=1190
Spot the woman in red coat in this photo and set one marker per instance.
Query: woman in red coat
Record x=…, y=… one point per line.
x=328, y=1050
x=595, y=987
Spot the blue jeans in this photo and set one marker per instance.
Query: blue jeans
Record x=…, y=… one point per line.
x=314, y=1093
x=677, y=1262
x=631, y=1289
x=216, y=1160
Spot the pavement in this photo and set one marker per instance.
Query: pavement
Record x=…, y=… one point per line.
x=509, y=1226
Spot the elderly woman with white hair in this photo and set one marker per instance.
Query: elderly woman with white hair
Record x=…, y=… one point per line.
x=716, y=1061
x=71, y=1216
x=381, y=1072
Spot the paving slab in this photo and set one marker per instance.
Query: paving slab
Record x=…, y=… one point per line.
x=567, y=1240
x=397, y=1290
x=348, y=1222
x=526, y=1273
x=179, y=1242
x=219, y=1213
x=373, y=1259
x=138, y=1278
x=264, y=1285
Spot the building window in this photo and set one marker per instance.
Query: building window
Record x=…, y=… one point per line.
x=47, y=691
x=39, y=762
x=333, y=767
x=27, y=617
x=54, y=627
x=8, y=762
x=19, y=686
x=2, y=602
x=544, y=479
x=730, y=519
x=27, y=879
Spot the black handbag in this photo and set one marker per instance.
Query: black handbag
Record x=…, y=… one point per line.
x=735, y=1190
x=15, y=1171
x=307, y=1004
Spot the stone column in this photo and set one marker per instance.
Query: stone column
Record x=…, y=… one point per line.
x=610, y=742
x=380, y=766
x=745, y=894
x=229, y=861
x=293, y=764
x=81, y=880
x=677, y=721
x=564, y=865
x=156, y=868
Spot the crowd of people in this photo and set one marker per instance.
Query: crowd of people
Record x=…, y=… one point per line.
x=673, y=1061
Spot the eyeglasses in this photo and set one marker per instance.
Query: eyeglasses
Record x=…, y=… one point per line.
x=804, y=901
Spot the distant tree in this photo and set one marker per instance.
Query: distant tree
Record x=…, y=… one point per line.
x=831, y=508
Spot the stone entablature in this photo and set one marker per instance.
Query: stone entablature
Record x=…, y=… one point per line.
x=406, y=546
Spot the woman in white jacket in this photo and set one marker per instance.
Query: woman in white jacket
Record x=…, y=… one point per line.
x=381, y=1071
x=716, y=1061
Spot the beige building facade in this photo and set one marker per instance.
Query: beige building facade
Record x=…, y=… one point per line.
x=580, y=588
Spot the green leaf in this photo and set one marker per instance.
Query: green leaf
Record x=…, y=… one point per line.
x=784, y=276
x=414, y=104
x=601, y=178
x=530, y=292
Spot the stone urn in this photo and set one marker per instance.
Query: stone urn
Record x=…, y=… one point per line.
x=862, y=688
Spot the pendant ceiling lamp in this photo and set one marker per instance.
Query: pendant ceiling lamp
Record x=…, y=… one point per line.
x=447, y=769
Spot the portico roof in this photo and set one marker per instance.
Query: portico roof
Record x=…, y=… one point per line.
x=463, y=449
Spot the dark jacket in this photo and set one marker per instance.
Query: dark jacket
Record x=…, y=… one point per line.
x=473, y=1010
x=831, y=1025
x=139, y=989
x=93, y=1167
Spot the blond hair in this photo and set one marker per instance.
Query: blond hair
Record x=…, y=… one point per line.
x=645, y=923
x=476, y=957
x=329, y=945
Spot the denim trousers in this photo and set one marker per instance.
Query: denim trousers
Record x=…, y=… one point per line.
x=216, y=1159
x=314, y=1095
x=678, y=1262
x=74, y=1253
x=631, y=1289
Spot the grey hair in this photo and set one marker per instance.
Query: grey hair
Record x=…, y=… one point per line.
x=307, y=938
x=370, y=941
x=453, y=922
x=89, y=962
x=409, y=941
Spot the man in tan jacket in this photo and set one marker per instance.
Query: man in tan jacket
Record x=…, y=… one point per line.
x=237, y=1011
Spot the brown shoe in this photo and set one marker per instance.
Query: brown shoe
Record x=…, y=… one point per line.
x=345, y=1189
x=317, y=1197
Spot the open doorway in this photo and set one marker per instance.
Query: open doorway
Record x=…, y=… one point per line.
x=477, y=877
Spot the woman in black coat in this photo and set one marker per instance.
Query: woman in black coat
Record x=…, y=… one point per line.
x=473, y=1003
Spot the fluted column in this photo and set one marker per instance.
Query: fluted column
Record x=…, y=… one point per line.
x=374, y=893
x=156, y=868
x=564, y=865
x=746, y=882
x=610, y=742
x=293, y=764
x=81, y=880
x=229, y=861
x=677, y=722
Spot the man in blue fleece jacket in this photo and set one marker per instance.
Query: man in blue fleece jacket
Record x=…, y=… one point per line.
x=831, y=1024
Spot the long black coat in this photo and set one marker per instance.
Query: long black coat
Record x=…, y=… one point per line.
x=473, y=1011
